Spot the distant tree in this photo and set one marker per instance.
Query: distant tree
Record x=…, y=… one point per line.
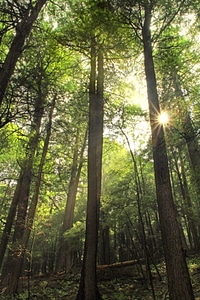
x=64, y=258
x=37, y=184
x=20, y=200
x=39, y=94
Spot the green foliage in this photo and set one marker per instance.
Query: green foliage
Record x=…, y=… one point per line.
x=121, y=286
x=55, y=63
x=75, y=236
x=11, y=154
x=119, y=197
x=11, y=137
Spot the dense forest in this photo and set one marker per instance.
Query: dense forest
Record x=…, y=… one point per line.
x=99, y=152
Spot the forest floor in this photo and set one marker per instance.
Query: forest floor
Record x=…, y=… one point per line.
x=119, y=283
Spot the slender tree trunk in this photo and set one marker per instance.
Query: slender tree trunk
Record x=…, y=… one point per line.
x=33, y=204
x=88, y=289
x=10, y=272
x=139, y=195
x=177, y=271
x=189, y=133
x=189, y=212
x=23, y=29
x=104, y=242
x=183, y=239
x=34, y=201
x=193, y=149
x=64, y=260
x=10, y=217
x=134, y=249
x=12, y=267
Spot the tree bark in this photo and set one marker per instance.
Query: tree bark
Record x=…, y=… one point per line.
x=88, y=288
x=33, y=204
x=23, y=29
x=34, y=201
x=12, y=267
x=177, y=272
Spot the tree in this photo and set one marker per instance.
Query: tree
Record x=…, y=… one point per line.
x=64, y=260
x=28, y=14
x=173, y=67
x=129, y=224
x=139, y=16
x=178, y=276
x=37, y=185
x=187, y=206
x=88, y=288
x=12, y=269
x=39, y=95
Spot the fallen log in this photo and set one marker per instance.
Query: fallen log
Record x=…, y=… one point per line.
x=121, y=264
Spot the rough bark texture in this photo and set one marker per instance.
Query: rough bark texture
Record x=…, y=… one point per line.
x=88, y=288
x=177, y=272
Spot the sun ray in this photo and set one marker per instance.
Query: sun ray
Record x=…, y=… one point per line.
x=163, y=118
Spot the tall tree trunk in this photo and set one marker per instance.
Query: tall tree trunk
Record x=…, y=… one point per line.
x=190, y=137
x=189, y=133
x=34, y=201
x=64, y=260
x=23, y=29
x=12, y=268
x=88, y=288
x=177, y=271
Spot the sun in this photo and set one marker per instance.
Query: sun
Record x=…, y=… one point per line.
x=163, y=118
